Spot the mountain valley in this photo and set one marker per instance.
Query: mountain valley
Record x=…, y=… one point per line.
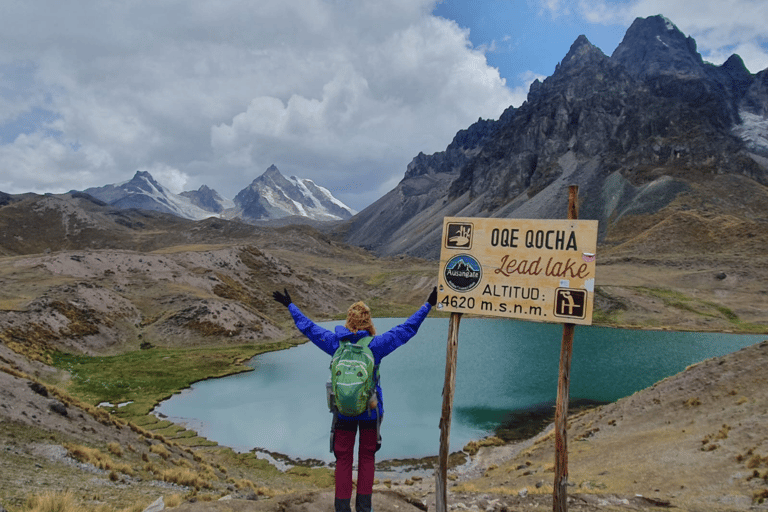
x=107, y=306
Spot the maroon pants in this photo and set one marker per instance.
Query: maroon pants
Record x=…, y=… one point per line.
x=343, y=448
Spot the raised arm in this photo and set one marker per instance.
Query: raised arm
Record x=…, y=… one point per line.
x=326, y=340
x=398, y=336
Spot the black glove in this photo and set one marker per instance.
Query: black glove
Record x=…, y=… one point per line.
x=285, y=300
x=433, y=297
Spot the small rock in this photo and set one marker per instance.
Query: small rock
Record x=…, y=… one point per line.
x=38, y=388
x=523, y=493
x=58, y=408
x=156, y=506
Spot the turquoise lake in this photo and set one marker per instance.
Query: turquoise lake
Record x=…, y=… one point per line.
x=503, y=365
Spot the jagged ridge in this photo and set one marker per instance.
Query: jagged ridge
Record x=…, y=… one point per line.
x=633, y=130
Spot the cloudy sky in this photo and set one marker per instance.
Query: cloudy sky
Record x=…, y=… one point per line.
x=344, y=92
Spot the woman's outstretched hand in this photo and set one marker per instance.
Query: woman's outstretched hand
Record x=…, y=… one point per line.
x=283, y=299
x=433, y=297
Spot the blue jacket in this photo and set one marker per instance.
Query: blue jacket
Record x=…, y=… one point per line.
x=381, y=345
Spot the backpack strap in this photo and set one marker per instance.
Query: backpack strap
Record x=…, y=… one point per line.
x=365, y=342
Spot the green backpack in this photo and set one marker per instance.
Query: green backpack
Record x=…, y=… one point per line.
x=353, y=377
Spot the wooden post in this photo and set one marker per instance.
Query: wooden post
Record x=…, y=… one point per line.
x=441, y=487
x=560, y=490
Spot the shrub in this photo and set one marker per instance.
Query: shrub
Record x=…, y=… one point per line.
x=92, y=456
x=174, y=500
x=692, y=402
x=759, y=496
x=53, y=502
x=161, y=450
x=184, y=477
x=115, y=449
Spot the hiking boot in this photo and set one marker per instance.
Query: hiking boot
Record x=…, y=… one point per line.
x=343, y=505
x=363, y=503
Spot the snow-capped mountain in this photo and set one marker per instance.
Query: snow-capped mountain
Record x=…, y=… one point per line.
x=270, y=196
x=273, y=196
x=208, y=199
x=143, y=192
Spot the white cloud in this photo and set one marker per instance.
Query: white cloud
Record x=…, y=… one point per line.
x=556, y=8
x=719, y=27
x=214, y=92
x=173, y=179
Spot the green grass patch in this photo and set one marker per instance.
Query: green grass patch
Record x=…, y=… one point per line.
x=147, y=377
x=148, y=422
x=319, y=477
x=183, y=434
x=169, y=432
x=600, y=317
x=195, y=441
x=703, y=308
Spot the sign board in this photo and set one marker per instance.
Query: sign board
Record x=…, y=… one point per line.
x=540, y=270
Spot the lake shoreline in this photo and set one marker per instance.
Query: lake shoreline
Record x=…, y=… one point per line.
x=510, y=424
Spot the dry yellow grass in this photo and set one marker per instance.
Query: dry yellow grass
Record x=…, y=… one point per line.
x=182, y=476
x=160, y=450
x=97, y=458
x=53, y=502
x=115, y=449
x=172, y=501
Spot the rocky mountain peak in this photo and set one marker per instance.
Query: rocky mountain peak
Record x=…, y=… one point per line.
x=143, y=192
x=581, y=54
x=655, y=46
x=735, y=67
x=207, y=199
x=633, y=131
x=272, y=172
x=273, y=196
x=143, y=180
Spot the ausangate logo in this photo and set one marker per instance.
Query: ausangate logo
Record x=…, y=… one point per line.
x=462, y=272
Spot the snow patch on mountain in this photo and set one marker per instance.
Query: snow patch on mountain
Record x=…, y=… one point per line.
x=753, y=130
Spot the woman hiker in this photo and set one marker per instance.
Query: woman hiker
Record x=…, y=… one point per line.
x=359, y=326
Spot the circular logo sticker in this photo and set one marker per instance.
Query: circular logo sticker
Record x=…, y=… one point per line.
x=462, y=272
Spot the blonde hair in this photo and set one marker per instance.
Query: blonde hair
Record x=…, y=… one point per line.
x=359, y=318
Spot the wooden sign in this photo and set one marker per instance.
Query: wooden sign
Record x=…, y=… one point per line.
x=531, y=269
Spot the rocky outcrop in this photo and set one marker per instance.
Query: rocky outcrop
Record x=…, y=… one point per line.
x=632, y=130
